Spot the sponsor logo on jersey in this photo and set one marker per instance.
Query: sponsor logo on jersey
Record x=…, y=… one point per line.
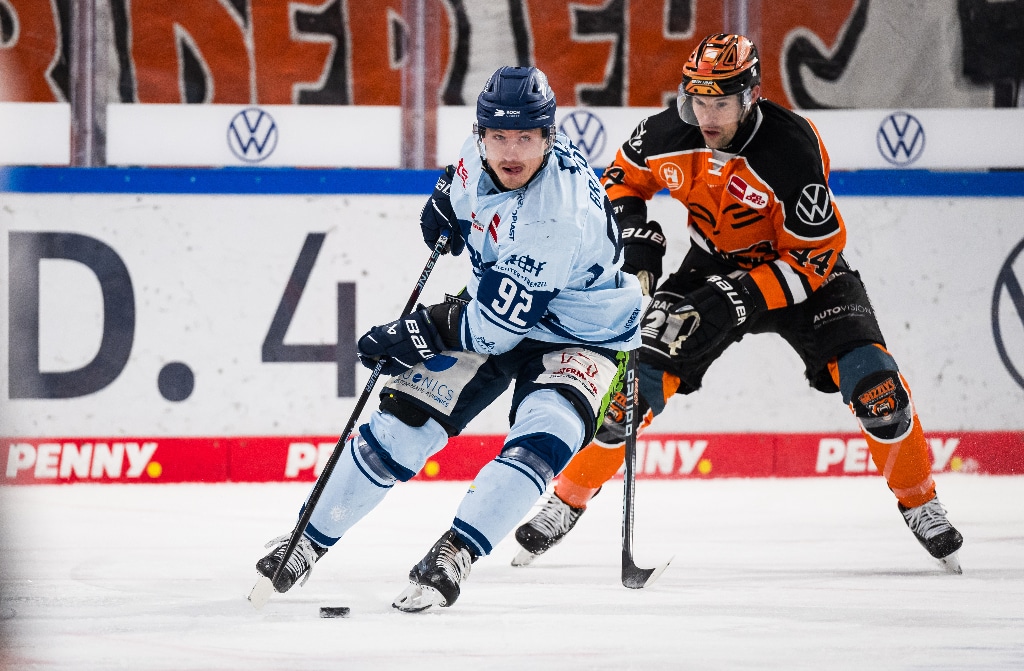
x=671, y=175
x=493, y=228
x=586, y=131
x=900, y=139
x=463, y=174
x=252, y=135
x=814, y=207
x=526, y=264
x=746, y=193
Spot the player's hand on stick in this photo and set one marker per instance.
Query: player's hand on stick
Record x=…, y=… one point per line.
x=643, y=246
x=402, y=343
x=707, y=314
x=437, y=216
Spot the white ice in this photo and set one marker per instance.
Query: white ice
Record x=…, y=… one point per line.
x=768, y=574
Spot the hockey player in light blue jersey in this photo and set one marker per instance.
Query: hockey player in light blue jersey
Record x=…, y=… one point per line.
x=547, y=307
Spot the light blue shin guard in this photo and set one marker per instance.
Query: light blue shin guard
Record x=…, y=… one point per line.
x=537, y=448
x=383, y=452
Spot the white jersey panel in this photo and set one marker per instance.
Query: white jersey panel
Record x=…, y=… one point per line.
x=546, y=257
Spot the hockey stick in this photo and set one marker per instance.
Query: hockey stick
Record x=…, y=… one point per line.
x=265, y=586
x=633, y=576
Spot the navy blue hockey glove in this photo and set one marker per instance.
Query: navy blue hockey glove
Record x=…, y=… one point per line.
x=704, y=319
x=437, y=216
x=402, y=343
x=643, y=247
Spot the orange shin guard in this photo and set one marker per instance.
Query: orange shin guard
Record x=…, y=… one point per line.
x=906, y=466
x=906, y=463
x=588, y=470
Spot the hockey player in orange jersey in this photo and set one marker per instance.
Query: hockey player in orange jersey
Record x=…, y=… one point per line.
x=766, y=243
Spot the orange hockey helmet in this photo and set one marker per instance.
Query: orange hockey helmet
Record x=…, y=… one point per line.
x=721, y=65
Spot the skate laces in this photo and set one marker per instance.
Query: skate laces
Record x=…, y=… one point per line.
x=302, y=559
x=455, y=562
x=555, y=518
x=927, y=520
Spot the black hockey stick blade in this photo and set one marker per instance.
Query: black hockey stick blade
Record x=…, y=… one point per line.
x=261, y=591
x=633, y=576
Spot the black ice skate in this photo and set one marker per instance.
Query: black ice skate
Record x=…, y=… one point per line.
x=931, y=528
x=300, y=563
x=436, y=580
x=545, y=530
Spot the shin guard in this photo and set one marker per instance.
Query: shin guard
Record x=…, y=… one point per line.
x=880, y=399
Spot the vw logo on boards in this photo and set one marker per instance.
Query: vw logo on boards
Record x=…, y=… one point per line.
x=1008, y=314
x=586, y=132
x=900, y=139
x=252, y=135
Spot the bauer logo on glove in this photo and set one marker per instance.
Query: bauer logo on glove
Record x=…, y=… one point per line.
x=402, y=343
x=700, y=321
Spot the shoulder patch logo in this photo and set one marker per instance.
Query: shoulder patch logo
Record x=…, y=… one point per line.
x=671, y=175
x=637, y=141
x=746, y=193
x=815, y=205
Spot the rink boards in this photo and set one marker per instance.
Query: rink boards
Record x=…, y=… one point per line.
x=199, y=325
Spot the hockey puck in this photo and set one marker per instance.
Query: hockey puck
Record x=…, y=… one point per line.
x=334, y=611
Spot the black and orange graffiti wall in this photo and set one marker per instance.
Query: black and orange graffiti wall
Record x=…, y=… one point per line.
x=816, y=53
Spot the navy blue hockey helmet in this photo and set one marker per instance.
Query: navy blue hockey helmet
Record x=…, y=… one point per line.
x=516, y=98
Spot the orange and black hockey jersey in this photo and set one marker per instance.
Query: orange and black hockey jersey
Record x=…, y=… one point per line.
x=766, y=209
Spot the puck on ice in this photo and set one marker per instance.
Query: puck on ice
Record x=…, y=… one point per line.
x=334, y=611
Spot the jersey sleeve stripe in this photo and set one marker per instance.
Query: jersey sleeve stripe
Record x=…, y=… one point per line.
x=791, y=281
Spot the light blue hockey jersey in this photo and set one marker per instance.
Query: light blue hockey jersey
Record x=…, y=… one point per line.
x=546, y=258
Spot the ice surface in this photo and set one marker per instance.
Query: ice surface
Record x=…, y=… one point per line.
x=768, y=574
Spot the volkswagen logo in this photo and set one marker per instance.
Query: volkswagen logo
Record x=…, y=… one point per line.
x=586, y=131
x=900, y=139
x=1008, y=314
x=252, y=135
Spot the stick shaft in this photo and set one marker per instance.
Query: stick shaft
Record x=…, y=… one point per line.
x=321, y=481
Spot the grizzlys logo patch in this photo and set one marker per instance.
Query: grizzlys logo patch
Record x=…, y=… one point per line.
x=880, y=400
x=746, y=193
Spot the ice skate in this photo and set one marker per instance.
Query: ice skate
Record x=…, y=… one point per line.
x=436, y=580
x=300, y=563
x=545, y=530
x=931, y=528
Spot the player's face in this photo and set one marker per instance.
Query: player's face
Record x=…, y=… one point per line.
x=514, y=155
x=718, y=117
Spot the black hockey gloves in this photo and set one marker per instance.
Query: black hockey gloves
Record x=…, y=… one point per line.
x=643, y=246
x=708, y=313
x=412, y=339
x=688, y=327
x=437, y=216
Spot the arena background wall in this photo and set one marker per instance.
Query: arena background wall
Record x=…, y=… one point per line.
x=194, y=319
x=169, y=325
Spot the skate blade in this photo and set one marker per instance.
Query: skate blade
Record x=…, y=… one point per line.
x=417, y=598
x=261, y=592
x=951, y=564
x=524, y=557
